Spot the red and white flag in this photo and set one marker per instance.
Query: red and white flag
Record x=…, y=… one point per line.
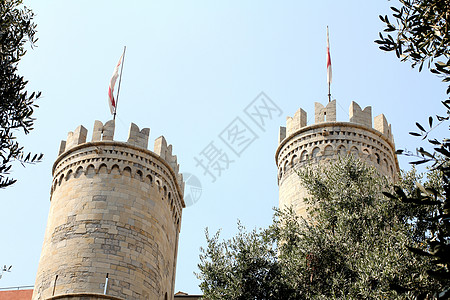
x=328, y=60
x=112, y=83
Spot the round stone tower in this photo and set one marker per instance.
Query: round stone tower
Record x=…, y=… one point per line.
x=114, y=219
x=324, y=141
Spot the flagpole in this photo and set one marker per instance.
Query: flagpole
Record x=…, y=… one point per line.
x=120, y=80
x=328, y=67
x=329, y=91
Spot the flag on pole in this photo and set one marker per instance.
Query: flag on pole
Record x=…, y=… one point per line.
x=328, y=60
x=112, y=83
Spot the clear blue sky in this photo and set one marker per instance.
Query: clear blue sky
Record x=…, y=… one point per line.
x=191, y=68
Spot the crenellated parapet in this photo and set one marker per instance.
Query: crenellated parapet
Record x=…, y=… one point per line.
x=325, y=114
x=136, y=137
x=301, y=144
x=158, y=168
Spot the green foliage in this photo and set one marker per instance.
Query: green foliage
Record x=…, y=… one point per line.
x=422, y=29
x=353, y=245
x=365, y=231
x=436, y=197
x=16, y=106
x=422, y=34
x=244, y=267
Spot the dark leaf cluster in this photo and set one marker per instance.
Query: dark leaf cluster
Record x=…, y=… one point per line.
x=422, y=36
x=16, y=105
x=437, y=199
x=420, y=33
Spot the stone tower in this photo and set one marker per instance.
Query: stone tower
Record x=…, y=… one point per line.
x=114, y=219
x=324, y=141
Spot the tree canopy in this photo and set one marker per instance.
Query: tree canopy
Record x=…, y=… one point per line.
x=16, y=105
x=353, y=245
x=421, y=30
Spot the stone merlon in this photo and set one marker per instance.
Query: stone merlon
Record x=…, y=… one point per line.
x=359, y=116
x=381, y=124
x=297, y=122
x=138, y=138
x=165, y=151
x=325, y=114
x=103, y=132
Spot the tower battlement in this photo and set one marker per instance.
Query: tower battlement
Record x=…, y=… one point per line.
x=300, y=144
x=136, y=137
x=328, y=114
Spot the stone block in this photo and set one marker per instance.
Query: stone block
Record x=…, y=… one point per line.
x=325, y=114
x=359, y=116
x=295, y=123
x=138, y=137
x=76, y=138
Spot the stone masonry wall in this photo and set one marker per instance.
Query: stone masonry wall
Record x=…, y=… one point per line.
x=115, y=209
